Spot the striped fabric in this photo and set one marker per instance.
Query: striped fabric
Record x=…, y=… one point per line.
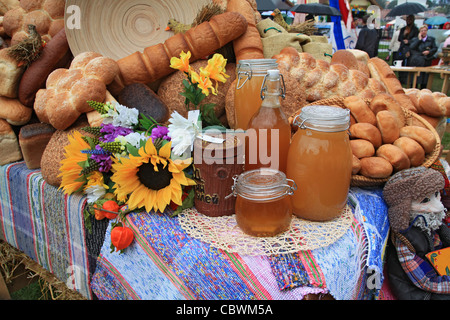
x=47, y=225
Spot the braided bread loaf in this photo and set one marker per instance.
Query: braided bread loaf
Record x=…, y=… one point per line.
x=318, y=79
x=46, y=15
x=68, y=90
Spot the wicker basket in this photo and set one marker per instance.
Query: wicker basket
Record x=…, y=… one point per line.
x=362, y=181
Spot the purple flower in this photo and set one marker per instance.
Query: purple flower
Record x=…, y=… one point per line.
x=111, y=132
x=104, y=160
x=160, y=132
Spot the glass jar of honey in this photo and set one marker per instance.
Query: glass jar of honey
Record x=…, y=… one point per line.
x=247, y=97
x=320, y=162
x=263, y=206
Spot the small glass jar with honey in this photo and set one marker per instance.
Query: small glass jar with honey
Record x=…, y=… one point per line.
x=263, y=205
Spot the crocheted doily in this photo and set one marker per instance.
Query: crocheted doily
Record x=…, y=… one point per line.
x=224, y=233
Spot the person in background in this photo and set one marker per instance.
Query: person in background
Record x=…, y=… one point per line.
x=407, y=33
x=367, y=39
x=394, y=45
x=422, y=51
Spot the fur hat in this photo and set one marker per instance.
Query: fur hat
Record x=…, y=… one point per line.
x=404, y=187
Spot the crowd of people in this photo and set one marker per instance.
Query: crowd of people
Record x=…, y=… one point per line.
x=410, y=44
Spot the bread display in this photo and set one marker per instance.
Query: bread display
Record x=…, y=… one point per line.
x=33, y=139
x=68, y=90
x=249, y=44
x=388, y=126
x=360, y=110
x=433, y=104
x=46, y=15
x=56, y=54
x=8, y=144
x=395, y=155
x=14, y=112
x=412, y=149
x=422, y=135
x=144, y=99
x=366, y=131
x=201, y=40
x=10, y=73
x=362, y=148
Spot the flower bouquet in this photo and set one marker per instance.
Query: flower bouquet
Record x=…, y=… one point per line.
x=131, y=162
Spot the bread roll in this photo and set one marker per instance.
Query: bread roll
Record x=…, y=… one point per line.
x=384, y=101
x=356, y=164
x=381, y=71
x=10, y=75
x=362, y=148
x=33, y=138
x=387, y=124
x=360, y=110
x=14, y=112
x=412, y=149
x=8, y=144
x=405, y=102
x=395, y=155
x=375, y=167
x=422, y=135
x=367, y=131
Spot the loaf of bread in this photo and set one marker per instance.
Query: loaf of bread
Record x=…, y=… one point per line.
x=171, y=86
x=434, y=104
x=318, y=79
x=366, y=131
x=10, y=75
x=360, y=110
x=375, y=167
x=353, y=59
x=14, y=112
x=422, y=135
x=388, y=126
x=56, y=54
x=362, y=148
x=249, y=44
x=139, y=96
x=201, y=40
x=68, y=90
x=8, y=144
x=46, y=15
x=33, y=139
x=356, y=164
x=412, y=149
x=395, y=155
x=6, y=5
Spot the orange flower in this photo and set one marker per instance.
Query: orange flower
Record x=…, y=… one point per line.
x=181, y=63
x=203, y=82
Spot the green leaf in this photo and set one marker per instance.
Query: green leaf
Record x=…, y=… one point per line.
x=208, y=115
x=132, y=150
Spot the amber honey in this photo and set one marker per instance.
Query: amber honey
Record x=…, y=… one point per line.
x=263, y=207
x=319, y=161
x=247, y=96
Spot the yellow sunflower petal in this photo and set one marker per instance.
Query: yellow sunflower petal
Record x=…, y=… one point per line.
x=165, y=150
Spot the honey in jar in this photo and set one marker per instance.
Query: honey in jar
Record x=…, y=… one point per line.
x=263, y=207
x=247, y=96
x=269, y=132
x=320, y=162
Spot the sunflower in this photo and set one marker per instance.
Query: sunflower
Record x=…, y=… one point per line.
x=71, y=178
x=151, y=180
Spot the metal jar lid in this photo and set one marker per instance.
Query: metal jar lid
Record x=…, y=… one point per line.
x=323, y=118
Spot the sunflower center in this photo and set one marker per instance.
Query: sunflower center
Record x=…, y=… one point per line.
x=152, y=179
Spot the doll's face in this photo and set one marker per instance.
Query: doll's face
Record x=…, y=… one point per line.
x=430, y=203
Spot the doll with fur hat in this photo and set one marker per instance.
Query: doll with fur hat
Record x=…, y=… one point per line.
x=416, y=216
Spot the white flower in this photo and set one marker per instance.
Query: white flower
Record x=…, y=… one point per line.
x=122, y=116
x=95, y=192
x=135, y=138
x=183, y=132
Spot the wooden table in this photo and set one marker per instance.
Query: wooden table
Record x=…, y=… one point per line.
x=415, y=72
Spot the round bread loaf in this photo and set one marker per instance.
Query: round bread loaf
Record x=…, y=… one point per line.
x=422, y=135
x=375, y=167
x=356, y=164
x=388, y=127
x=367, y=131
x=362, y=148
x=412, y=149
x=395, y=155
x=385, y=101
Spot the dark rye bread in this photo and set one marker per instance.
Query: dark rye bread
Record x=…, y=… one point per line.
x=144, y=99
x=33, y=138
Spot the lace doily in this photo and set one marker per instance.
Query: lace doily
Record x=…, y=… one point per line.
x=224, y=233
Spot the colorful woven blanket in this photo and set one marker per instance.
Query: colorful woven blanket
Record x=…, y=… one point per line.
x=48, y=226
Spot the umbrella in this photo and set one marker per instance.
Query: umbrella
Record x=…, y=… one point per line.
x=437, y=20
x=318, y=9
x=270, y=5
x=407, y=8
